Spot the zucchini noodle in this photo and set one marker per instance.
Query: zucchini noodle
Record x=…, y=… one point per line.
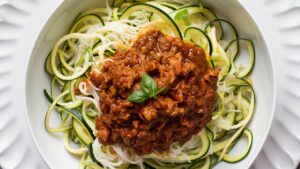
x=94, y=37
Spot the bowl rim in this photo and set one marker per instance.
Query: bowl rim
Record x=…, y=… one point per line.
x=274, y=77
x=263, y=38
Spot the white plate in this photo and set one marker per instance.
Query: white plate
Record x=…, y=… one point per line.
x=50, y=145
x=23, y=20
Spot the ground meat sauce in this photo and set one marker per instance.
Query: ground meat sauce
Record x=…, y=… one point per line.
x=179, y=112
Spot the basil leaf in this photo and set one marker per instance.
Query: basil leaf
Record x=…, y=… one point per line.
x=183, y=15
x=138, y=96
x=148, y=85
x=148, y=90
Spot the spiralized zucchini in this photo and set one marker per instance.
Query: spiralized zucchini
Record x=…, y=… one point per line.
x=94, y=37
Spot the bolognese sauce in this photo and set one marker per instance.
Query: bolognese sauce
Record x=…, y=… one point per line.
x=178, y=113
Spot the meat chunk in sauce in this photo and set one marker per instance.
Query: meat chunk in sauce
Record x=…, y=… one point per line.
x=178, y=113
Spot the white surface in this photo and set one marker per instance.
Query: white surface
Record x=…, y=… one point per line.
x=18, y=19
x=24, y=18
x=281, y=25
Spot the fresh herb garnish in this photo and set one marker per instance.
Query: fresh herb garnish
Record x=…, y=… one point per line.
x=183, y=15
x=148, y=90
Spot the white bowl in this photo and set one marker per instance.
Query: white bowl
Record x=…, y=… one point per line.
x=51, y=146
